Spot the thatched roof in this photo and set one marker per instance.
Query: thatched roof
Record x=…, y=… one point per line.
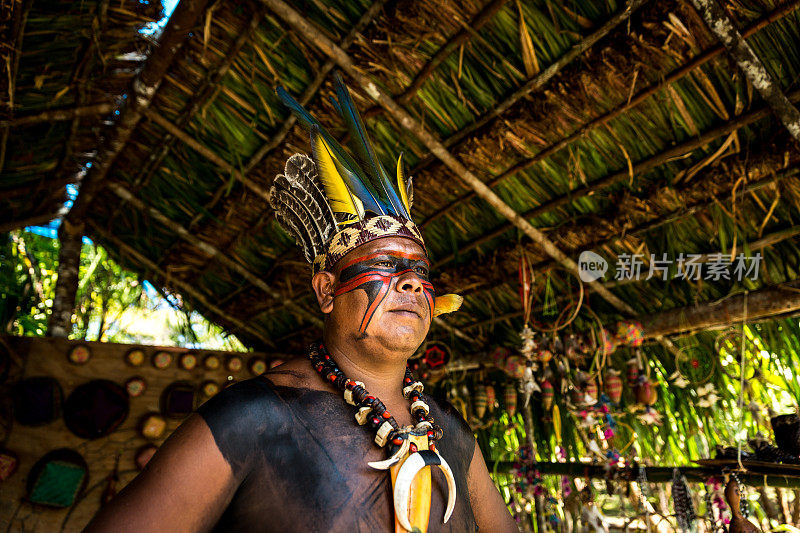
x=612, y=129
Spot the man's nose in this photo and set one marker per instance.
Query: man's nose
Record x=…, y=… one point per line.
x=409, y=282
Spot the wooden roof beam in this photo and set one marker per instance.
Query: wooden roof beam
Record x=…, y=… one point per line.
x=140, y=94
x=638, y=169
x=724, y=29
x=184, y=287
x=410, y=124
x=638, y=98
x=211, y=250
x=60, y=114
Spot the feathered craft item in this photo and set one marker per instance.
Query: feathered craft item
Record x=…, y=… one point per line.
x=334, y=202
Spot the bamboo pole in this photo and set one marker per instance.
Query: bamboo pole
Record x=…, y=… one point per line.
x=209, y=249
x=655, y=474
x=184, y=287
x=195, y=145
x=205, y=93
x=28, y=221
x=637, y=99
x=60, y=114
x=538, y=81
x=772, y=302
x=723, y=27
x=638, y=169
x=141, y=92
x=410, y=124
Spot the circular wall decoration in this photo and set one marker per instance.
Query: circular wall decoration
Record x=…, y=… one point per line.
x=144, y=454
x=135, y=386
x=79, y=354
x=37, y=401
x=210, y=388
x=96, y=409
x=234, y=363
x=162, y=360
x=178, y=400
x=211, y=362
x=152, y=426
x=257, y=366
x=8, y=464
x=436, y=354
x=188, y=361
x=57, y=478
x=135, y=357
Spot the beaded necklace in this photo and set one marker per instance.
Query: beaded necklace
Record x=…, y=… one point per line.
x=406, y=458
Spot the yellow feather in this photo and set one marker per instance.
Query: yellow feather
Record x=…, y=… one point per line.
x=340, y=197
x=447, y=303
x=401, y=183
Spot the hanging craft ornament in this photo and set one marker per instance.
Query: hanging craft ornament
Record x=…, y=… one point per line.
x=682, y=501
x=613, y=385
x=412, y=448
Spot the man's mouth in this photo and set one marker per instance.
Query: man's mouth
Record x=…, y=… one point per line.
x=409, y=311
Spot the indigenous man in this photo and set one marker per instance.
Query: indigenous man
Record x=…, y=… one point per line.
x=284, y=451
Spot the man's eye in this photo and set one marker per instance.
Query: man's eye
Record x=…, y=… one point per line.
x=422, y=270
x=384, y=263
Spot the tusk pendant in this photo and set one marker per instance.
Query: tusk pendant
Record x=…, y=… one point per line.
x=405, y=477
x=388, y=463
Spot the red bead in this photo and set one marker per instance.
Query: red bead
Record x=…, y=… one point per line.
x=369, y=398
x=430, y=434
x=331, y=377
x=350, y=384
x=327, y=357
x=386, y=415
x=407, y=381
x=432, y=446
x=413, y=447
x=397, y=442
x=376, y=420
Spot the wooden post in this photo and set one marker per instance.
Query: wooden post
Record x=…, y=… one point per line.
x=70, y=237
x=141, y=92
x=722, y=26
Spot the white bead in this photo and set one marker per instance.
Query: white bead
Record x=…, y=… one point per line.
x=423, y=405
x=416, y=386
x=383, y=434
x=362, y=414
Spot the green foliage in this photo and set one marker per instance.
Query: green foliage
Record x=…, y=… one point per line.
x=112, y=304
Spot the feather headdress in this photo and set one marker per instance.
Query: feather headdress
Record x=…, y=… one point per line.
x=333, y=201
x=338, y=201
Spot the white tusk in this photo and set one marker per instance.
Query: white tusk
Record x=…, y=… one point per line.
x=451, y=487
x=388, y=463
x=405, y=477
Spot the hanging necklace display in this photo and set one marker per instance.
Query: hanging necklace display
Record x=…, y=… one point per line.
x=411, y=448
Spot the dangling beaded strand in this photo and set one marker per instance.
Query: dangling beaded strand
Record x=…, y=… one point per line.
x=371, y=410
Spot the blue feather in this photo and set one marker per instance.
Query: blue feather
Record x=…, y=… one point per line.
x=364, y=150
x=351, y=172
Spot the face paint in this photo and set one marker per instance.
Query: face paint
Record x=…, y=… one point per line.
x=374, y=274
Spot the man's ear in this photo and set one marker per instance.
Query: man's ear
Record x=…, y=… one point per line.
x=322, y=283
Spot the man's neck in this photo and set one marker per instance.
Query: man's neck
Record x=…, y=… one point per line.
x=382, y=370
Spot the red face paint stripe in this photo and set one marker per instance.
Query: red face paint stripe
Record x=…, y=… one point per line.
x=357, y=282
x=404, y=255
x=372, y=275
x=371, y=311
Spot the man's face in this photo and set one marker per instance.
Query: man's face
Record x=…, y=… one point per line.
x=381, y=290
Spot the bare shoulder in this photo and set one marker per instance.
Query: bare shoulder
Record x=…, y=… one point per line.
x=297, y=373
